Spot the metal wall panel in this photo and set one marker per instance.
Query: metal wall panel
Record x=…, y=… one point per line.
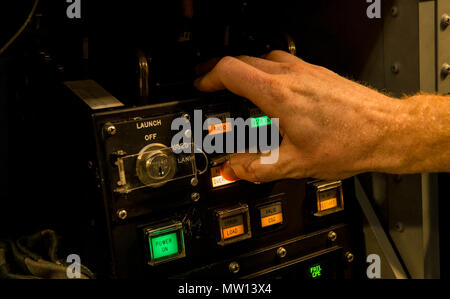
x=443, y=45
x=401, y=51
x=409, y=203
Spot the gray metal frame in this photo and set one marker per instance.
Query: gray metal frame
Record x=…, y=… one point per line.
x=412, y=49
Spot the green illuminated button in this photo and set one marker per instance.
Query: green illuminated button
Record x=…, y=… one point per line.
x=260, y=121
x=164, y=245
x=166, y=242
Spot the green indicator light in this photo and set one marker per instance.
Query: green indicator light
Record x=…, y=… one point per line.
x=165, y=245
x=315, y=271
x=260, y=121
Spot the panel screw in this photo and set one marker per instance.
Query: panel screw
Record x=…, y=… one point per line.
x=395, y=68
x=349, y=256
x=445, y=70
x=281, y=252
x=122, y=214
x=398, y=226
x=195, y=196
x=110, y=129
x=394, y=11
x=332, y=236
x=186, y=116
x=194, y=182
x=234, y=267
x=445, y=21
x=188, y=133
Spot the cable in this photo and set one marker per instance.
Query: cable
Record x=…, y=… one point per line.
x=3, y=49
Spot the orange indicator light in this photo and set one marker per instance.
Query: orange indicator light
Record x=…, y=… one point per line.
x=233, y=231
x=328, y=204
x=219, y=128
x=271, y=220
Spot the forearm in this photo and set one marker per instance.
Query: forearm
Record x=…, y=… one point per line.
x=417, y=137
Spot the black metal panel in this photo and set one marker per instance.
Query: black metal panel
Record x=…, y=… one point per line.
x=301, y=232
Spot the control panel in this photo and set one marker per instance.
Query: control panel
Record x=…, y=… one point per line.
x=169, y=212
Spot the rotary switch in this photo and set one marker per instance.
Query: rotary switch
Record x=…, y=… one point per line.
x=155, y=165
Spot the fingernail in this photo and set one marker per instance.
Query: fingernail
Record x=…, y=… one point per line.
x=227, y=172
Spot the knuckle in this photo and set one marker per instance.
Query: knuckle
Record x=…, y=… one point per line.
x=243, y=57
x=275, y=88
x=225, y=61
x=275, y=53
x=289, y=67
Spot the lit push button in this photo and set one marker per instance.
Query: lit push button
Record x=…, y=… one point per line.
x=219, y=128
x=233, y=224
x=166, y=243
x=218, y=123
x=329, y=197
x=217, y=179
x=260, y=121
x=271, y=214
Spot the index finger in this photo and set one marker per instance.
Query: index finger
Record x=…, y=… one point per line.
x=244, y=80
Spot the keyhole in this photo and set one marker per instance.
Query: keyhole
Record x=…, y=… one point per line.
x=161, y=171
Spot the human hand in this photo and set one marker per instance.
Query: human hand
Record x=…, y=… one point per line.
x=332, y=127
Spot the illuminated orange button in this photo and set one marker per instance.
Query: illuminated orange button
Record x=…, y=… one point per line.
x=220, y=181
x=233, y=231
x=219, y=128
x=328, y=204
x=271, y=220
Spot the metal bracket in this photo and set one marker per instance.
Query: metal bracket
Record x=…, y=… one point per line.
x=378, y=231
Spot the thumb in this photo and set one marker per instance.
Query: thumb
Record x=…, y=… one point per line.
x=249, y=167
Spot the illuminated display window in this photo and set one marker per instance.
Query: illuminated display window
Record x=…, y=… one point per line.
x=164, y=245
x=217, y=123
x=219, y=128
x=329, y=197
x=271, y=214
x=260, y=121
x=216, y=178
x=233, y=224
x=166, y=242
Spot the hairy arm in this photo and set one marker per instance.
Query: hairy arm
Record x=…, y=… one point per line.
x=332, y=127
x=418, y=139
